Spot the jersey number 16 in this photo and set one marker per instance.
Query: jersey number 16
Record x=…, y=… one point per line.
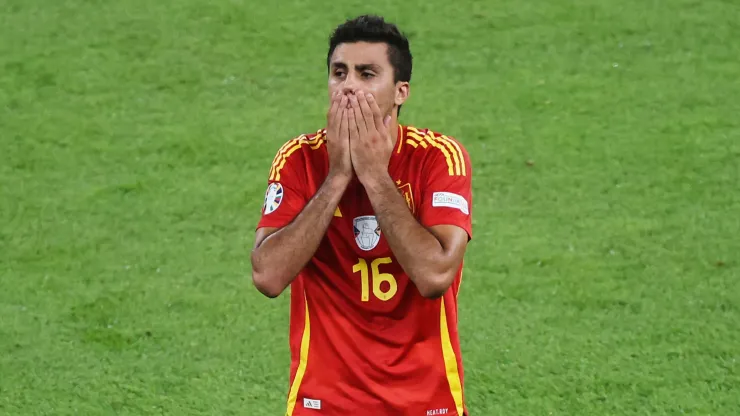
x=377, y=277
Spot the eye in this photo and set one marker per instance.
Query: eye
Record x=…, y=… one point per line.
x=339, y=73
x=367, y=75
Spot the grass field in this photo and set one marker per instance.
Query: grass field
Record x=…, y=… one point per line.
x=136, y=137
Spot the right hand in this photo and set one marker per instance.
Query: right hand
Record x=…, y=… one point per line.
x=337, y=137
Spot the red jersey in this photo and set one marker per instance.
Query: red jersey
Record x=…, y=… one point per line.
x=363, y=340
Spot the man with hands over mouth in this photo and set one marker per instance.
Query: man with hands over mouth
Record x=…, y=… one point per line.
x=368, y=221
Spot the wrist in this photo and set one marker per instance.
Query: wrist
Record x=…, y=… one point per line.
x=338, y=180
x=374, y=183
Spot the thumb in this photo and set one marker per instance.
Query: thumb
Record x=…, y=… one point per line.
x=387, y=121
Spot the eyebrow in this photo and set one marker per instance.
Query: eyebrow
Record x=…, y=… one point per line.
x=360, y=67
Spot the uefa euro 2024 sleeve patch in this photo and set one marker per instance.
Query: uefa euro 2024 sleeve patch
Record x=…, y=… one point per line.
x=273, y=198
x=450, y=200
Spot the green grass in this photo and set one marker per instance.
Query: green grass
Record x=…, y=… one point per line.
x=136, y=136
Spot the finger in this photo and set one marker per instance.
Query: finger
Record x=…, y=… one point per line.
x=358, y=115
x=343, y=100
x=344, y=125
x=367, y=112
x=354, y=131
x=331, y=116
x=335, y=98
x=378, y=118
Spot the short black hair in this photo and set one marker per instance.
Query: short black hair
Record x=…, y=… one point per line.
x=371, y=28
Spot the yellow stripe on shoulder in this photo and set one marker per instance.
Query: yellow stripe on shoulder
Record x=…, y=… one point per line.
x=448, y=147
x=291, y=146
x=456, y=154
x=416, y=139
x=281, y=152
x=431, y=140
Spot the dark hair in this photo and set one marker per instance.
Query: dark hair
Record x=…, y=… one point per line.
x=371, y=28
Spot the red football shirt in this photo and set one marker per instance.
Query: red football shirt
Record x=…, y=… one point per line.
x=363, y=340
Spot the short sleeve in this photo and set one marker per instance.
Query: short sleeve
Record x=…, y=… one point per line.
x=284, y=197
x=447, y=195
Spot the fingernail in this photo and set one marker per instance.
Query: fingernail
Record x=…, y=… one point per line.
x=368, y=96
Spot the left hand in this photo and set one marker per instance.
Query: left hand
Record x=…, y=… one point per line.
x=370, y=140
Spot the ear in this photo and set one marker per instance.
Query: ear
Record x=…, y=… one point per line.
x=403, y=89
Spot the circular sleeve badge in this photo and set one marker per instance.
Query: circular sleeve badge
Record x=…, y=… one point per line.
x=273, y=198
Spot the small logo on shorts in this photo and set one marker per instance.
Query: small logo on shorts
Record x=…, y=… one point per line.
x=312, y=404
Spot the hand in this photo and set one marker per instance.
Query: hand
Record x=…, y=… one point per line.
x=337, y=137
x=370, y=140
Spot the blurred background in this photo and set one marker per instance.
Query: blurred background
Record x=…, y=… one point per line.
x=136, y=138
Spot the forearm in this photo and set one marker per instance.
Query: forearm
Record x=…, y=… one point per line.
x=419, y=252
x=283, y=254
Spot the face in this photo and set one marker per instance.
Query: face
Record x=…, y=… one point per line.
x=365, y=66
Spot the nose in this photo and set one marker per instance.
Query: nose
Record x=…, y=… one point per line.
x=350, y=84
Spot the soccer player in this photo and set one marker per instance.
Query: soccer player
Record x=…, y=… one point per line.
x=368, y=221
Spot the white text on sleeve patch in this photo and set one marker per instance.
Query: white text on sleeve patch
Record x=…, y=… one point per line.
x=450, y=200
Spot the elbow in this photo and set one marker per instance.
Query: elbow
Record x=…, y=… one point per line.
x=433, y=293
x=265, y=285
x=265, y=282
x=436, y=287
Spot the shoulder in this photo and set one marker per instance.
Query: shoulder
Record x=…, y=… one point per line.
x=310, y=140
x=300, y=149
x=437, y=148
